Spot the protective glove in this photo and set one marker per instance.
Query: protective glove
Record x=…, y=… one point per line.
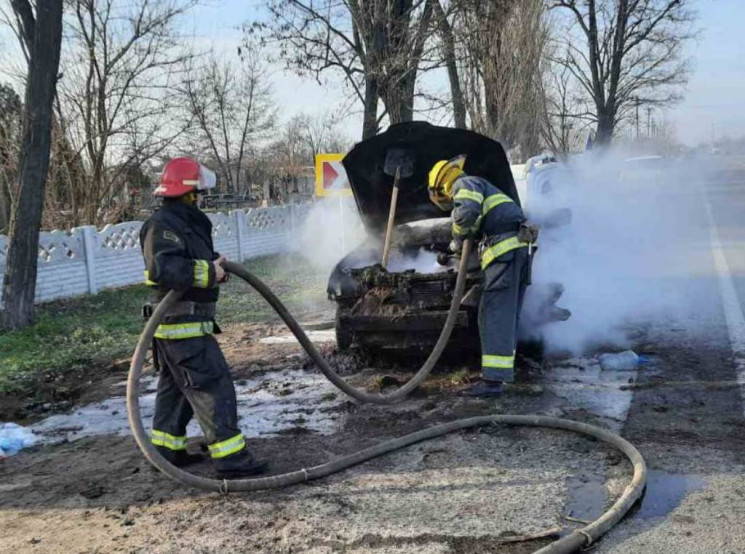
x=455, y=246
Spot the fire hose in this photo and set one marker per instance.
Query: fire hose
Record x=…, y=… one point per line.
x=570, y=543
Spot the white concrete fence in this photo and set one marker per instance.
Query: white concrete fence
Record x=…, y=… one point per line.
x=86, y=260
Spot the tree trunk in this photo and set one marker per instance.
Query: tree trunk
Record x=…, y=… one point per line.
x=370, y=121
x=19, y=287
x=448, y=46
x=605, y=128
x=406, y=101
x=5, y=205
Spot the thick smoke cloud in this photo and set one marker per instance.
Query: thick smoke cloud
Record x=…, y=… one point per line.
x=625, y=258
x=331, y=230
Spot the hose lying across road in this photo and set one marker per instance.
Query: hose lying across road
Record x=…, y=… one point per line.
x=570, y=543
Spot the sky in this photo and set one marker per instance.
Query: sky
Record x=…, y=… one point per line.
x=217, y=24
x=714, y=105
x=714, y=99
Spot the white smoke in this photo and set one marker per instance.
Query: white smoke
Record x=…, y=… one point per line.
x=624, y=259
x=331, y=229
x=424, y=261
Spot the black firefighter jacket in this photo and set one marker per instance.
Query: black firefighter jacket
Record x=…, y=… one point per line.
x=177, y=245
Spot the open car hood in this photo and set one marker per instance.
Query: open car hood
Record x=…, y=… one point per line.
x=426, y=144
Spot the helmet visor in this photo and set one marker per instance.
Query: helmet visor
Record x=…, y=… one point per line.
x=440, y=200
x=207, y=179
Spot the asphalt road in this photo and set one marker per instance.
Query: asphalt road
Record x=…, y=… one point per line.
x=686, y=411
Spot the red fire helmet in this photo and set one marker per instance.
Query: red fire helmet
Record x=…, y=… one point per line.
x=184, y=175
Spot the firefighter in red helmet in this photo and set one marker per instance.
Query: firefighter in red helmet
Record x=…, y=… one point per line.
x=194, y=380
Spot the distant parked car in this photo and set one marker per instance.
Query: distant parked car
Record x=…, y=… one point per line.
x=642, y=169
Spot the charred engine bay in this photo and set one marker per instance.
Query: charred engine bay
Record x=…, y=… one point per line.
x=403, y=307
x=400, y=310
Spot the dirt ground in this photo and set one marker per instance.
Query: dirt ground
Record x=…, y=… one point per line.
x=505, y=490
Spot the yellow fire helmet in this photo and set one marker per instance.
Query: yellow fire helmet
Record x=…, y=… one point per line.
x=441, y=178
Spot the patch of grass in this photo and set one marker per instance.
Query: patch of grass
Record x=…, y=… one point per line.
x=69, y=338
x=460, y=377
x=300, y=286
x=73, y=341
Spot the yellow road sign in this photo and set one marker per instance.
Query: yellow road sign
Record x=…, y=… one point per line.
x=331, y=177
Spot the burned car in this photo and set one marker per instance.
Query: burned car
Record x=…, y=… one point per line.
x=403, y=306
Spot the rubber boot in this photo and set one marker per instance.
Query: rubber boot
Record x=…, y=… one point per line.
x=485, y=388
x=239, y=465
x=180, y=458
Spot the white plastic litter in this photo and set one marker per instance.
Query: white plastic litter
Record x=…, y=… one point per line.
x=14, y=438
x=623, y=361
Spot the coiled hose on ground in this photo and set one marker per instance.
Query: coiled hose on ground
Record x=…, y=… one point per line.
x=570, y=543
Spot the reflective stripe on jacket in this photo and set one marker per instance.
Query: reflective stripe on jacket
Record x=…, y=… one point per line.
x=482, y=210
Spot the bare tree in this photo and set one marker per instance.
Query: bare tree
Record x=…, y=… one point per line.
x=565, y=120
x=289, y=161
x=625, y=51
x=41, y=30
x=121, y=60
x=449, y=57
x=320, y=133
x=377, y=45
x=502, y=44
x=233, y=108
x=10, y=140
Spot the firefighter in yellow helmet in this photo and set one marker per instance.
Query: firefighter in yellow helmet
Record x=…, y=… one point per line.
x=484, y=213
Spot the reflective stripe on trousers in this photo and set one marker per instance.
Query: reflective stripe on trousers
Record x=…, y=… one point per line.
x=227, y=447
x=172, y=442
x=498, y=368
x=498, y=362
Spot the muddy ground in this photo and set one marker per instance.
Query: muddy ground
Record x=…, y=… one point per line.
x=490, y=490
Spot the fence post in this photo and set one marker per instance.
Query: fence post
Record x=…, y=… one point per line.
x=240, y=223
x=90, y=233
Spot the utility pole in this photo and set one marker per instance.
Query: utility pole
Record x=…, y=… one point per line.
x=636, y=99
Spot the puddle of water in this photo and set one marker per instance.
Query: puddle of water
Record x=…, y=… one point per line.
x=584, y=385
x=665, y=492
x=268, y=404
x=586, y=499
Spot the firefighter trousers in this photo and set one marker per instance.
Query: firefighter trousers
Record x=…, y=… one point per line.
x=195, y=381
x=505, y=280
